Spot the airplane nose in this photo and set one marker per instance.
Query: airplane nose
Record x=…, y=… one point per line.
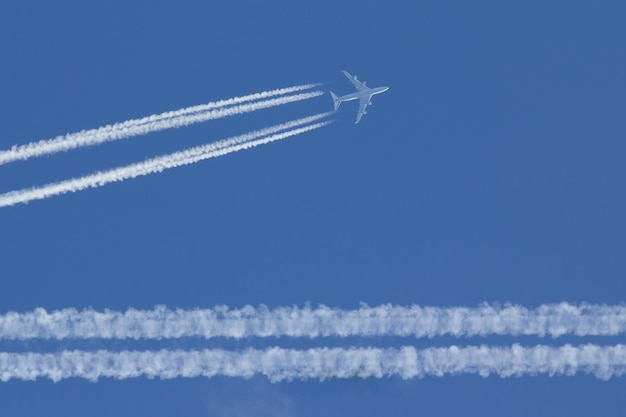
x=385, y=88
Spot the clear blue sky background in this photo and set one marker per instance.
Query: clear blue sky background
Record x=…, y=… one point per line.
x=492, y=170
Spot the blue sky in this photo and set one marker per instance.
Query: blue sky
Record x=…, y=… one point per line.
x=492, y=170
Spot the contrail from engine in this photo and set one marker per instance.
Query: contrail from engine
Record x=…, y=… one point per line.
x=158, y=122
x=279, y=364
x=386, y=320
x=162, y=163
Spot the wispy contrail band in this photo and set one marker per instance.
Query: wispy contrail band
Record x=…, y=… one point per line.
x=169, y=120
x=386, y=320
x=162, y=163
x=223, y=103
x=279, y=364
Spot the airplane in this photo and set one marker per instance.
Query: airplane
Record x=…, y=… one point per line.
x=363, y=94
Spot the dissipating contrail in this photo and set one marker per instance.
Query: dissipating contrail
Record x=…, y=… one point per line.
x=158, y=122
x=278, y=364
x=552, y=320
x=159, y=164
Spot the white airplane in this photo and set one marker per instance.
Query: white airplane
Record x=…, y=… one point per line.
x=363, y=94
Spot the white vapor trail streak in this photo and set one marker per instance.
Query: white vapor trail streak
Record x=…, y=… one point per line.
x=386, y=320
x=279, y=364
x=159, y=164
x=154, y=123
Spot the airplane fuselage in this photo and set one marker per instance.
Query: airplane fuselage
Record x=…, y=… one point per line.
x=363, y=93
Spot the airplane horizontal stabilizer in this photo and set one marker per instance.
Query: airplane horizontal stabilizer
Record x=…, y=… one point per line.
x=336, y=100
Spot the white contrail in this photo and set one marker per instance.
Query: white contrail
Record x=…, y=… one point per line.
x=279, y=364
x=386, y=320
x=223, y=103
x=154, y=123
x=161, y=163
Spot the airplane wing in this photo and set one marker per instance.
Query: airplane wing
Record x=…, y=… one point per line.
x=353, y=79
x=363, y=103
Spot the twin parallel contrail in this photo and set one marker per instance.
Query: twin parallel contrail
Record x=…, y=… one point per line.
x=279, y=364
x=155, y=165
x=158, y=122
x=386, y=320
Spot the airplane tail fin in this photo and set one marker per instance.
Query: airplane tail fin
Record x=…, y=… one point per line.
x=336, y=100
